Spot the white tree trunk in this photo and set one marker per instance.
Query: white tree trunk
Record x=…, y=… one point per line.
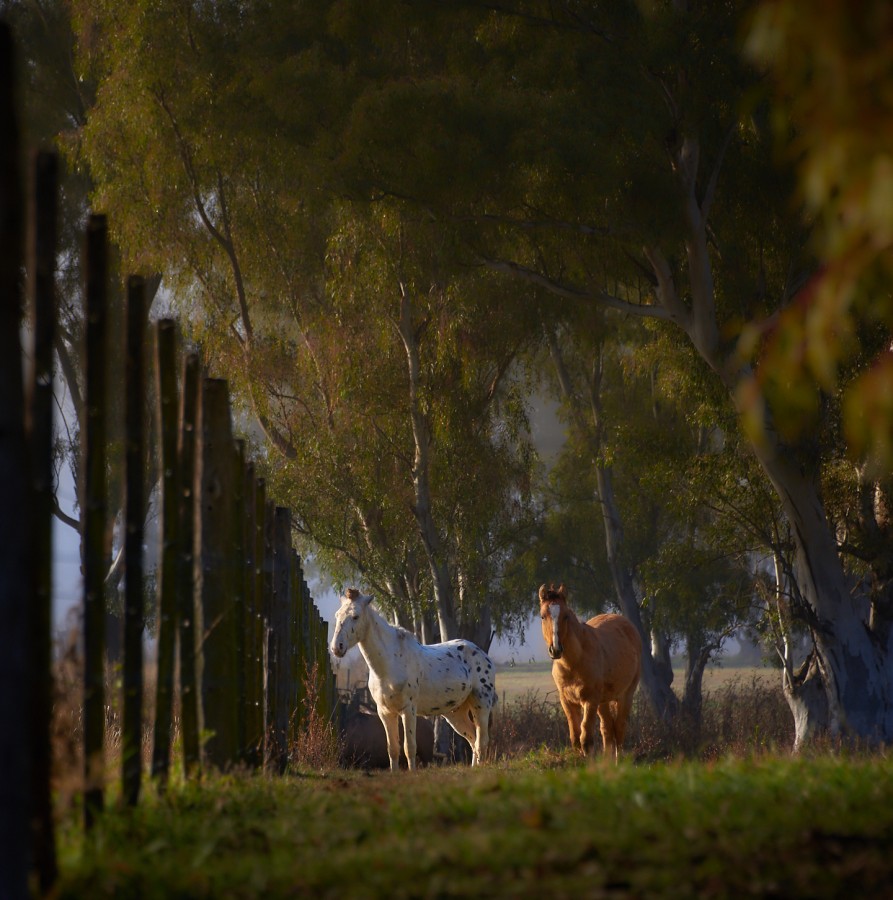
x=804, y=690
x=855, y=664
x=431, y=540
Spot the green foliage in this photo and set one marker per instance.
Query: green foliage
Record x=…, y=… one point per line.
x=834, y=119
x=305, y=177
x=547, y=823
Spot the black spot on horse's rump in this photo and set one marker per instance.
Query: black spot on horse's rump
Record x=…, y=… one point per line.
x=462, y=647
x=479, y=668
x=483, y=680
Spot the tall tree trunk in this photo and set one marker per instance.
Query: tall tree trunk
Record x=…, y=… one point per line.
x=431, y=539
x=656, y=678
x=693, y=692
x=854, y=662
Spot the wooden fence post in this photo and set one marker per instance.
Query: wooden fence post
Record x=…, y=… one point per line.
x=166, y=377
x=270, y=745
x=214, y=572
x=260, y=622
x=300, y=663
x=135, y=512
x=42, y=267
x=93, y=504
x=280, y=692
x=186, y=590
x=239, y=581
x=15, y=583
x=253, y=653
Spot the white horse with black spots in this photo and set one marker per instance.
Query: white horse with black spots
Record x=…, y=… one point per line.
x=455, y=679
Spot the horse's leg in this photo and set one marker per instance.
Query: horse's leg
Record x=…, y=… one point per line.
x=392, y=731
x=624, y=706
x=480, y=719
x=482, y=722
x=574, y=713
x=463, y=725
x=606, y=715
x=409, y=738
x=591, y=711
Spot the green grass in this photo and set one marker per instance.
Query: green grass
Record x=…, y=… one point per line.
x=545, y=825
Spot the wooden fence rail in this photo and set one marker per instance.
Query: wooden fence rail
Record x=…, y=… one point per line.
x=233, y=608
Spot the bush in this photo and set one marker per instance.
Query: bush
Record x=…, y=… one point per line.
x=317, y=744
x=738, y=719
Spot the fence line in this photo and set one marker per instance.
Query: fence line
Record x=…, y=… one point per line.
x=231, y=589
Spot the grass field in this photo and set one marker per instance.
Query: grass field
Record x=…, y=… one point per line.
x=549, y=825
x=514, y=682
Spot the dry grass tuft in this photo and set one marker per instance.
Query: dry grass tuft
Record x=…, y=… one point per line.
x=739, y=718
x=318, y=745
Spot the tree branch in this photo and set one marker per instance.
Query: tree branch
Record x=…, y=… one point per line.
x=710, y=191
x=572, y=293
x=63, y=516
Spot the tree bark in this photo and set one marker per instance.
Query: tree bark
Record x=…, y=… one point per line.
x=804, y=690
x=853, y=662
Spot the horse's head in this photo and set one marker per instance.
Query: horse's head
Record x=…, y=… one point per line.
x=350, y=621
x=554, y=615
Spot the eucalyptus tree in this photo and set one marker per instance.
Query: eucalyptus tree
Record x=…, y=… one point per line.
x=428, y=428
x=579, y=148
x=615, y=142
x=639, y=429
x=386, y=396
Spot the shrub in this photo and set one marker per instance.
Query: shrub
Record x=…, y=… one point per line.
x=738, y=719
x=317, y=744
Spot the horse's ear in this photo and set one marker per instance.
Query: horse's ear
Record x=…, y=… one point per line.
x=364, y=599
x=562, y=592
x=542, y=593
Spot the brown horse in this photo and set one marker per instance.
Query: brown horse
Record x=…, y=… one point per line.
x=596, y=670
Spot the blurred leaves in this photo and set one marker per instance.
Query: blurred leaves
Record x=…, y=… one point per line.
x=831, y=70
